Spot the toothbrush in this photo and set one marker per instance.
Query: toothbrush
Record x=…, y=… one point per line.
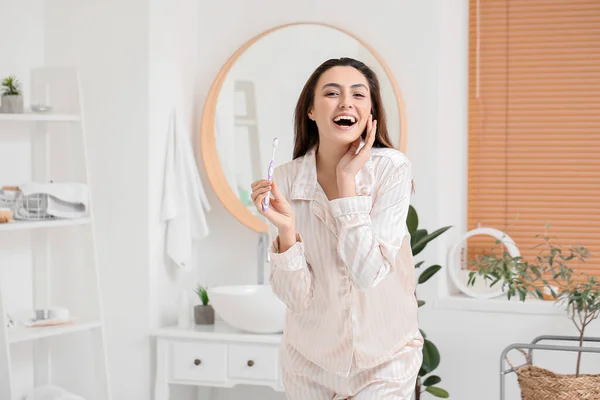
x=267, y=199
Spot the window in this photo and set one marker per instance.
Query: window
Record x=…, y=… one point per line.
x=534, y=121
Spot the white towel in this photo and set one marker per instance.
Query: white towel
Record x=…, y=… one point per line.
x=184, y=200
x=65, y=200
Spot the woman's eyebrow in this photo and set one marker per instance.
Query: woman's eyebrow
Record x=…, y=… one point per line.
x=338, y=86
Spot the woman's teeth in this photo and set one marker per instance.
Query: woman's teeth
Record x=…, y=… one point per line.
x=345, y=120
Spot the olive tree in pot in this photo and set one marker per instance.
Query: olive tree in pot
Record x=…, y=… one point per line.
x=419, y=238
x=548, y=276
x=12, y=98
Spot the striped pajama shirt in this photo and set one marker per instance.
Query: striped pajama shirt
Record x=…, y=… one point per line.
x=348, y=283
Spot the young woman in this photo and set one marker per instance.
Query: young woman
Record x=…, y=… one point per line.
x=341, y=259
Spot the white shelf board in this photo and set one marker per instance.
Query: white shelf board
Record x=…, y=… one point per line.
x=22, y=334
x=31, y=116
x=17, y=225
x=460, y=302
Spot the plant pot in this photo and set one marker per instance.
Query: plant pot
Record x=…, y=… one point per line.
x=12, y=104
x=539, y=384
x=204, y=315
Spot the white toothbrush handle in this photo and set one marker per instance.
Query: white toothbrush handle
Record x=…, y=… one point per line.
x=267, y=199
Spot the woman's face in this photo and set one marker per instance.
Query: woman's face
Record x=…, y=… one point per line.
x=342, y=105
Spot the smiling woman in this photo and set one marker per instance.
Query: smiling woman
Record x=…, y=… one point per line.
x=341, y=258
x=253, y=98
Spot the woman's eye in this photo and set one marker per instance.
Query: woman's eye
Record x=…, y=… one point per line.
x=331, y=94
x=359, y=95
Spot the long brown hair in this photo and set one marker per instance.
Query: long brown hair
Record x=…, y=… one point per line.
x=306, y=134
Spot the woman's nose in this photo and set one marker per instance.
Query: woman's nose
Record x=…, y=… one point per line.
x=345, y=102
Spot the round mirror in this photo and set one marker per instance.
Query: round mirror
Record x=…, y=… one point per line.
x=252, y=101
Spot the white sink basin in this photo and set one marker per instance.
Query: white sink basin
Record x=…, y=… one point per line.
x=250, y=308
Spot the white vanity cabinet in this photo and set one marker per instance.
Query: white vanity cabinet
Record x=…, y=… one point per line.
x=215, y=356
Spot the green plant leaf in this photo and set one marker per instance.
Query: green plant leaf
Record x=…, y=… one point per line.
x=202, y=292
x=420, y=303
x=422, y=241
x=422, y=333
x=412, y=220
x=11, y=86
x=539, y=293
x=432, y=380
x=428, y=273
x=431, y=356
x=418, y=265
x=438, y=392
x=415, y=237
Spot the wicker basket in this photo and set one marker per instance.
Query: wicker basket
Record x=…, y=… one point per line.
x=541, y=384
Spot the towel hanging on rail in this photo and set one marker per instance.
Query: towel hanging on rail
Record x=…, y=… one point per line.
x=184, y=200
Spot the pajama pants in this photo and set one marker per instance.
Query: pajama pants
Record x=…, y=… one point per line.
x=393, y=379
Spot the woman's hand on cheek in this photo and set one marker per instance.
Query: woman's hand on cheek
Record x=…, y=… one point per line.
x=352, y=161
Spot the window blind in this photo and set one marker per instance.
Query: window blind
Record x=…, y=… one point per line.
x=534, y=122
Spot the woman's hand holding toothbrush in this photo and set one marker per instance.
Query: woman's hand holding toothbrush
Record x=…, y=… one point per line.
x=279, y=212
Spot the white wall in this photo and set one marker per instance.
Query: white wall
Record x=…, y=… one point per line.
x=108, y=41
x=173, y=65
x=21, y=39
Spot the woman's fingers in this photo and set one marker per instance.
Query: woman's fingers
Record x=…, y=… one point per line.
x=258, y=201
x=259, y=192
x=373, y=134
x=260, y=183
x=353, y=147
x=276, y=193
x=270, y=214
x=370, y=139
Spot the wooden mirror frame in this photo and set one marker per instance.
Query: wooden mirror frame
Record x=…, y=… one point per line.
x=208, y=147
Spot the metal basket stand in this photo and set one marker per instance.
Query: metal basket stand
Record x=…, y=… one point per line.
x=535, y=346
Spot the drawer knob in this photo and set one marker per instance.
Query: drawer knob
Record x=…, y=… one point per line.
x=197, y=362
x=250, y=363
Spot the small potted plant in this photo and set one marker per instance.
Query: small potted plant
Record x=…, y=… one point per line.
x=12, y=98
x=204, y=314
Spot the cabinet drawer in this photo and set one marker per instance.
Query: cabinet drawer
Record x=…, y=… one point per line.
x=199, y=361
x=254, y=361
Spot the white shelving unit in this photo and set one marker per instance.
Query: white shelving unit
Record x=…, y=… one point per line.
x=30, y=116
x=17, y=225
x=62, y=258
